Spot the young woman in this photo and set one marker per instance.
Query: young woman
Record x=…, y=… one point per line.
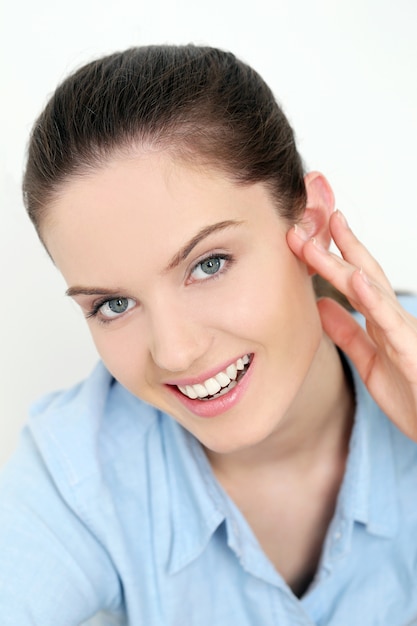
x=243, y=453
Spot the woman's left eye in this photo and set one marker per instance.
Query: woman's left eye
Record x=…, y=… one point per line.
x=208, y=267
x=115, y=307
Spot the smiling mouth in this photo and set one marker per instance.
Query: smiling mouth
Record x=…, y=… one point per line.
x=220, y=384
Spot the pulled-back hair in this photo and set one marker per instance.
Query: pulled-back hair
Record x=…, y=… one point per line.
x=201, y=103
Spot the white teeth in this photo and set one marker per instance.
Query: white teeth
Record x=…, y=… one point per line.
x=231, y=371
x=212, y=386
x=225, y=390
x=222, y=379
x=217, y=385
x=200, y=390
x=189, y=391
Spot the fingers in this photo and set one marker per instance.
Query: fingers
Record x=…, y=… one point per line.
x=360, y=278
x=388, y=368
x=333, y=268
x=353, y=251
x=346, y=333
x=340, y=271
x=384, y=352
x=389, y=325
x=390, y=330
x=297, y=238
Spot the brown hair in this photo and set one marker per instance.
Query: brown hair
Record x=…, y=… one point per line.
x=201, y=103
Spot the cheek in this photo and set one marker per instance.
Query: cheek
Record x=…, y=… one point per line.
x=277, y=296
x=122, y=352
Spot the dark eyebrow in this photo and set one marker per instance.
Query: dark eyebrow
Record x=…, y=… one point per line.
x=202, y=234
x=91, y=291
x=175, y=261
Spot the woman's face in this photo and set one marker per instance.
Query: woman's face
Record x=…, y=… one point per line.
x=185, y=279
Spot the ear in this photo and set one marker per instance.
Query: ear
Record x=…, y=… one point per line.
x=320, y=205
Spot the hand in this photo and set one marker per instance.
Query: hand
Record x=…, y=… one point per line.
x=385, y=354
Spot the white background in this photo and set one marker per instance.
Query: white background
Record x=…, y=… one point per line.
x=345, y=71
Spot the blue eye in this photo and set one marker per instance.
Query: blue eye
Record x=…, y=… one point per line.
x=115, y=307
x=208, y=267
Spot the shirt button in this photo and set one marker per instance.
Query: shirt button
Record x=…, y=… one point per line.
x=337, y=535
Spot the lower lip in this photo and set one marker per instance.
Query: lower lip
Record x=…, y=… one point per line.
x=217, y=406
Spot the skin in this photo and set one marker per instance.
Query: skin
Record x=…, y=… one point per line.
x=385, y=352
x=120, y=229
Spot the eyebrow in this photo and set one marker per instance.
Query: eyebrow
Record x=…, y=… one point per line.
x=202, y=234
x=180, y=256
x=91, y=291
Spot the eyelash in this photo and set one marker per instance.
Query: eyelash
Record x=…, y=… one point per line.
x=227, y=258
x=94, y=312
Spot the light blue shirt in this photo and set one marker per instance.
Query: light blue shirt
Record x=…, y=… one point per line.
x=109, y=505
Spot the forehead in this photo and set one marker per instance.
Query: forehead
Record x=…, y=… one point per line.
x=150, y=203
x=144, y=187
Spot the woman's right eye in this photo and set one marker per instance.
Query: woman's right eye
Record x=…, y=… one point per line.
x=115, y=307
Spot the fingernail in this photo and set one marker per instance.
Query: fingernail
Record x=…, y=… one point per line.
x=301, y=233
x=342, y=218
x=364, y=276
x=318, y=245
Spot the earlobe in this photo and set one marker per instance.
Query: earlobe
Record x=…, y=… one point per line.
x=320, y=205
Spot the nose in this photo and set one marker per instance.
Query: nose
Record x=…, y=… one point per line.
x=176, y=339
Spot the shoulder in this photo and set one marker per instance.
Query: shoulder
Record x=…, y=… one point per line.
x=80, y=431
x=51, y=507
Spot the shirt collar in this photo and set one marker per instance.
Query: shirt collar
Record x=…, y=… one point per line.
x=200, y=507
x=197, y=503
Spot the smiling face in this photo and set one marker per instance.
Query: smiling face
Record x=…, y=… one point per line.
x=194, y=300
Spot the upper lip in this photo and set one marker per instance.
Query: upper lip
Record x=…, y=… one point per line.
x=194, y=380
